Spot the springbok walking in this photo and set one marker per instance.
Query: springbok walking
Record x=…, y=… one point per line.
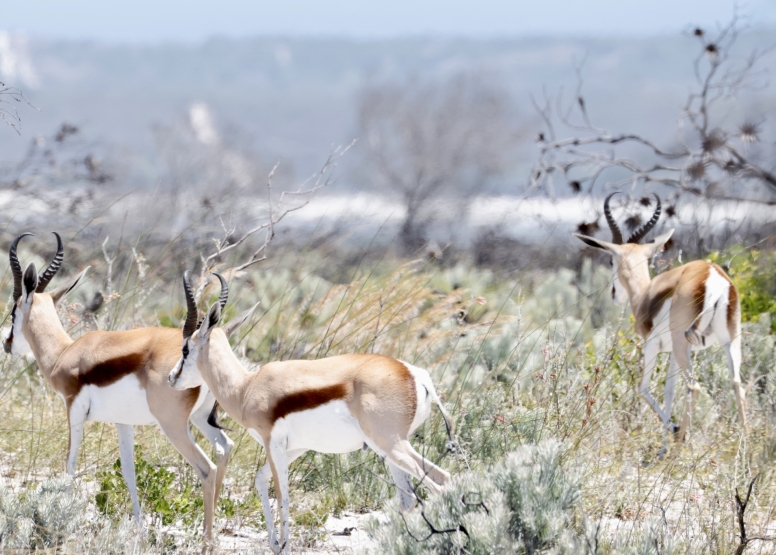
x=115, y=376
x=331, y=405
x=683, y=309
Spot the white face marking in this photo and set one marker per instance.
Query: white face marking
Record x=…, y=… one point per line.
x=423, y=388
x=14, y=334
x=186, y=374
x=620, y=296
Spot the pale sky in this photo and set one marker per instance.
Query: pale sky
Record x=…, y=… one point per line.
x=144, y=21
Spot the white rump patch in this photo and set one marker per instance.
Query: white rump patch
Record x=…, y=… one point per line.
x=424, y=388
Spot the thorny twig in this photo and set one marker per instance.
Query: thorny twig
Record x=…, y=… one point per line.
x=740, y=512
x=277, y=211
x=9, y=114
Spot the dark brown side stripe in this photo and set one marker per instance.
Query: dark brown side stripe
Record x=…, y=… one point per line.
x=732, y=308
x=655, y=304
x=112, y=370
x=309, y=399
x=696, y=306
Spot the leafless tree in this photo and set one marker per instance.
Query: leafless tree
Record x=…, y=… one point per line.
x=709, y=158
x=62, y=172
x=436, y=142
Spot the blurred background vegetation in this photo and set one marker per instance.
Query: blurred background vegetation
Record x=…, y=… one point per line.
x=440, y=237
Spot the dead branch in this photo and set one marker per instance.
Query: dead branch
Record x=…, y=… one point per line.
x=711, y=160
x=288, y=202
x=744, y=540
x=10, y=97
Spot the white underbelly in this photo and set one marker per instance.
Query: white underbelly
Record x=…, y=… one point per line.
x=329, y=428
x=122, y=402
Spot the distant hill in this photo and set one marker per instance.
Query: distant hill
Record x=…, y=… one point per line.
x=295, y=98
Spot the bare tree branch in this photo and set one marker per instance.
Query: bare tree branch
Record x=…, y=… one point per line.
x=288, y=202
x=741, y=505
x=710, y=159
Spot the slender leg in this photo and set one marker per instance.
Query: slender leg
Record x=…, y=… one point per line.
x=668, y=400
x=278, y=458
x=127, y=453
x=404, y=486
x=217, y=438
x=178, y=434
x=693, y=389
x=402, y=455
x=733, y=352
x=262, y=486
x=76, y=416
x=668, y=403
x=651, y=351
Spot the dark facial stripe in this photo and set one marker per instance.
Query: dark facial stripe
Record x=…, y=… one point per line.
x=8, y=342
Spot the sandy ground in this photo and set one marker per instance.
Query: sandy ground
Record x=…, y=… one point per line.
x=343, y=534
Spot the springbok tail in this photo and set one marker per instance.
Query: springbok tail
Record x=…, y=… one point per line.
x=445, y=416
x=212, y=418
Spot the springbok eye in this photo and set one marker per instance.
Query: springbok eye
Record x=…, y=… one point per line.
x=185, y=350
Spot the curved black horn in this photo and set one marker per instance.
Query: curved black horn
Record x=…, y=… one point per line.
x=221, y=298
x=53, y=267
x=16, y=267
x=224, y=290
x=190, y=326
x=616, y=233
x=639, y=234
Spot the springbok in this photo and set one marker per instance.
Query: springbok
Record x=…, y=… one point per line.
x=115, y=376
x=683, y=309
x=330, y=405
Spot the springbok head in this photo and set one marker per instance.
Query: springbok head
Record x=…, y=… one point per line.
x=630, y=260
x=196, y=336
x=33, y=307
x=185, y=374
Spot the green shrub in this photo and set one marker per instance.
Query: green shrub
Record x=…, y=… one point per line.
x=41, y=518
x=754, y=274
x=158, y=490
x=522, y=505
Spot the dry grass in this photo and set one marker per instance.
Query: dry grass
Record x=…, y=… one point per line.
x=516, y=360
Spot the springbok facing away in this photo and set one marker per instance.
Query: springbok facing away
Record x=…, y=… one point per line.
x=118, y=377
x=330, y=405
x=686, y=308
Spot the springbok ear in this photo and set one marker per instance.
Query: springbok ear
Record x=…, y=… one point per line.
x=611, y=248
x=58, y=293
x=210, y=321
x=660, y=241
x=234, y=324
x=29, y=281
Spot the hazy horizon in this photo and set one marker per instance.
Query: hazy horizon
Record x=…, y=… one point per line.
x=146, y=22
